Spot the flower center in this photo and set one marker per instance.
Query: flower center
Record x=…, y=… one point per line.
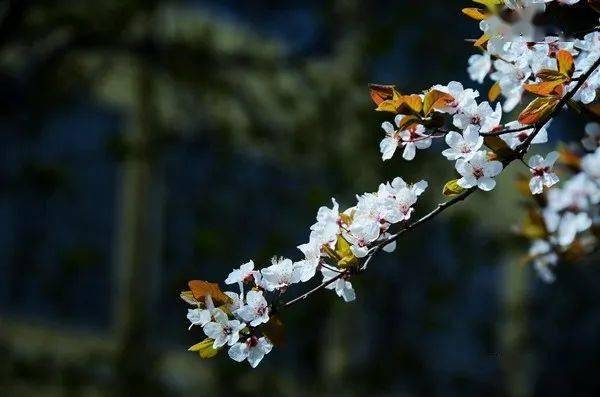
x=478, y=172
x=475, y=119
x=252, y=341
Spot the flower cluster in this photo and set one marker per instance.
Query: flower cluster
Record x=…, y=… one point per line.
x=514, y=55
x=342, y=241
x=568, y=217
x=337, y=241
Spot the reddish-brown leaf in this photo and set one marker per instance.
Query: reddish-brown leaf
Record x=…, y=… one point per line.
x=565, y=62
x=380, y=93
x=201, y=288
x=538, y=110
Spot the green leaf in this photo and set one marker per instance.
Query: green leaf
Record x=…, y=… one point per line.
x=451, y=188
x=205, y=348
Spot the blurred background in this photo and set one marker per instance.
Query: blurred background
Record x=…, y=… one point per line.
x=146, y=143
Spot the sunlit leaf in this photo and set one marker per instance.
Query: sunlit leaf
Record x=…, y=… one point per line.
x=200, y=289
x=274, y=330
x=410, y=104
x=494, y=92
x=492, y=5
x=565, y=62
x=476, y=13
x=342, y=249
x=451, y=188
x=538, y=110
x=543, y=88
x=205, y=348
x=435, y=100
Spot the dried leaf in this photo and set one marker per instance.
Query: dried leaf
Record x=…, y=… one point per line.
x=201, y=288
x=434, y=100
x=476, y=13
x=538, y=110
x=451, y=188
x=275, y=331
x=565, y=62
x=205, y=348
x=494, y=92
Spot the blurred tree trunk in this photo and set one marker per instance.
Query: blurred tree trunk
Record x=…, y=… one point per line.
x=514, y=331
x=139, y=245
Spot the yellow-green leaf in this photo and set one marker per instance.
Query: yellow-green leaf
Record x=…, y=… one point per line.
x=342, y=249
x=492, y=5
x=476, y=13
x=205, y=348
x=452, y=188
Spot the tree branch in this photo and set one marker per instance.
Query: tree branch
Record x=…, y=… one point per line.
x=518, y=154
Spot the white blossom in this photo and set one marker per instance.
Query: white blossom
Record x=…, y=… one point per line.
x=478, y=171
x=463, y=146
x=541, y=169
x=591, y=141
x=327, y=227
x=222, y=330
x=242, y=274
x=256, y=309
x=343, y=288
x=482, y=116
x=479, y=67
x=543, y=258
x=253, y=349
x=514, y=139
x=281, y=274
